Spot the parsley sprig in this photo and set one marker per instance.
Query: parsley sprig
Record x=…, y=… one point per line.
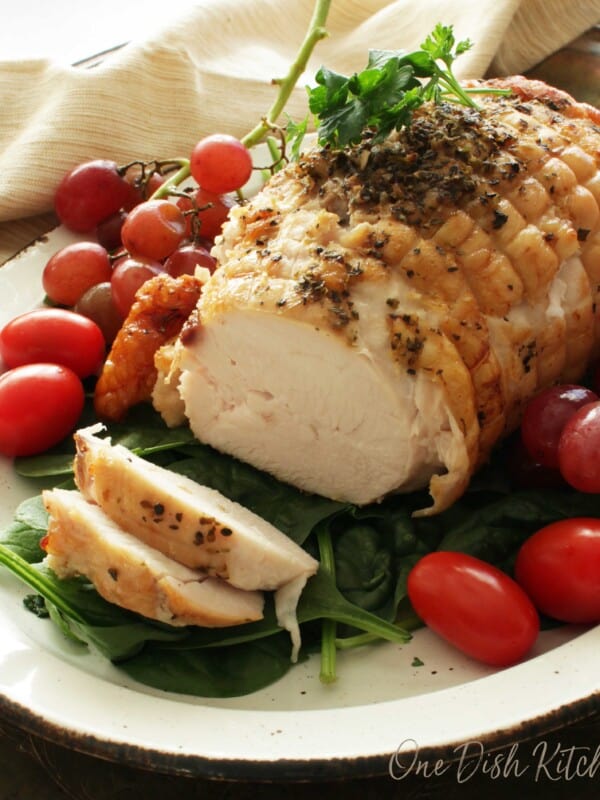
x=384, y=95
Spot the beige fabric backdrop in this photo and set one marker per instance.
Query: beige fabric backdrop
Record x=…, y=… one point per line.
x=155, y=98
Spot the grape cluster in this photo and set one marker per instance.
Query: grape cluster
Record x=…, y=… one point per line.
x=143, y=224
x=560, y=438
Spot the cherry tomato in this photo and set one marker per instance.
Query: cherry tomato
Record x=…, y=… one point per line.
x=579, y=449
x=559, y=568
x=56, y=336
x=40, y=404
x=474, y=606
x=220, y=163
x=545, y=417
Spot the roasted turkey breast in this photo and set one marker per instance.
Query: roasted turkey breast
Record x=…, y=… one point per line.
x=382, y=313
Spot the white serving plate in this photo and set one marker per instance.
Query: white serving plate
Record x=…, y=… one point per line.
x=296, y=729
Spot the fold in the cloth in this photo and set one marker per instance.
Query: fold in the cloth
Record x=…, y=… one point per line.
x=156, y=98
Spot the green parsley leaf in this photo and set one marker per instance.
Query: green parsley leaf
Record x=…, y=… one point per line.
x=294, y=136
x=382, y=97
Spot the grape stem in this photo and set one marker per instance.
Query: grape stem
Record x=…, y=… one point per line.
x=178, y=177
x=316, y=31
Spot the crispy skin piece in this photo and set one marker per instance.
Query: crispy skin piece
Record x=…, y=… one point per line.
x=161, y=307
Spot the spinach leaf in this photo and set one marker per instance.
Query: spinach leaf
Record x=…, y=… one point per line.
x=23, y=535
x=321, y=599
x=219, y=672
x=32, y=512
x=495, y=531
x=364, y=566
x=45, y=465
x=375, y=548
x=117, y=641
x=144, y=432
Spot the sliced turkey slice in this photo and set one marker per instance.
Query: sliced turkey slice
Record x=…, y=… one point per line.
x=82, y=540
x=192, y=524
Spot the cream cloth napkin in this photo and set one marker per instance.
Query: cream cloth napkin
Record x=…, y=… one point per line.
x=156, y=98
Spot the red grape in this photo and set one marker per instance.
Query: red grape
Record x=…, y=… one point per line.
x=579, y=449
x=90, y=193
x=596, y=378
x=143, y=185
x=127, y=277
x=185, y=260
x=98, y=305
x=213, y=211
x=73, y=269
x=154, y=182
x=526, y=473
x=108, y=232
x=220, y=163
x=546, y=415
x=153, y=229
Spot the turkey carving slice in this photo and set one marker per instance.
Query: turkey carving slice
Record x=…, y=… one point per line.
x=192, y=524
x=82, y=540
x=382, y=313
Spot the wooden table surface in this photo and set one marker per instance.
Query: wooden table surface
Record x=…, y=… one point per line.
x=33, y=768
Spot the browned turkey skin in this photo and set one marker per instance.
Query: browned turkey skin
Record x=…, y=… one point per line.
x=382, y=314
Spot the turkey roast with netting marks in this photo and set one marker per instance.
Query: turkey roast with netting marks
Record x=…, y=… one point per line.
x=382, y=313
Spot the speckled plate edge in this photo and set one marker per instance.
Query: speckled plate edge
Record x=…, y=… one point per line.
x=155, y=732
x=554, y=690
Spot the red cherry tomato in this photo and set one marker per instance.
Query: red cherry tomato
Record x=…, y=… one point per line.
x=474, y=606
x=56, y=336
x=559, y=568
x=579, y=449
x=40, y=404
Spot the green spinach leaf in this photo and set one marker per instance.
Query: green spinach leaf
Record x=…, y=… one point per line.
x=218, y=672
